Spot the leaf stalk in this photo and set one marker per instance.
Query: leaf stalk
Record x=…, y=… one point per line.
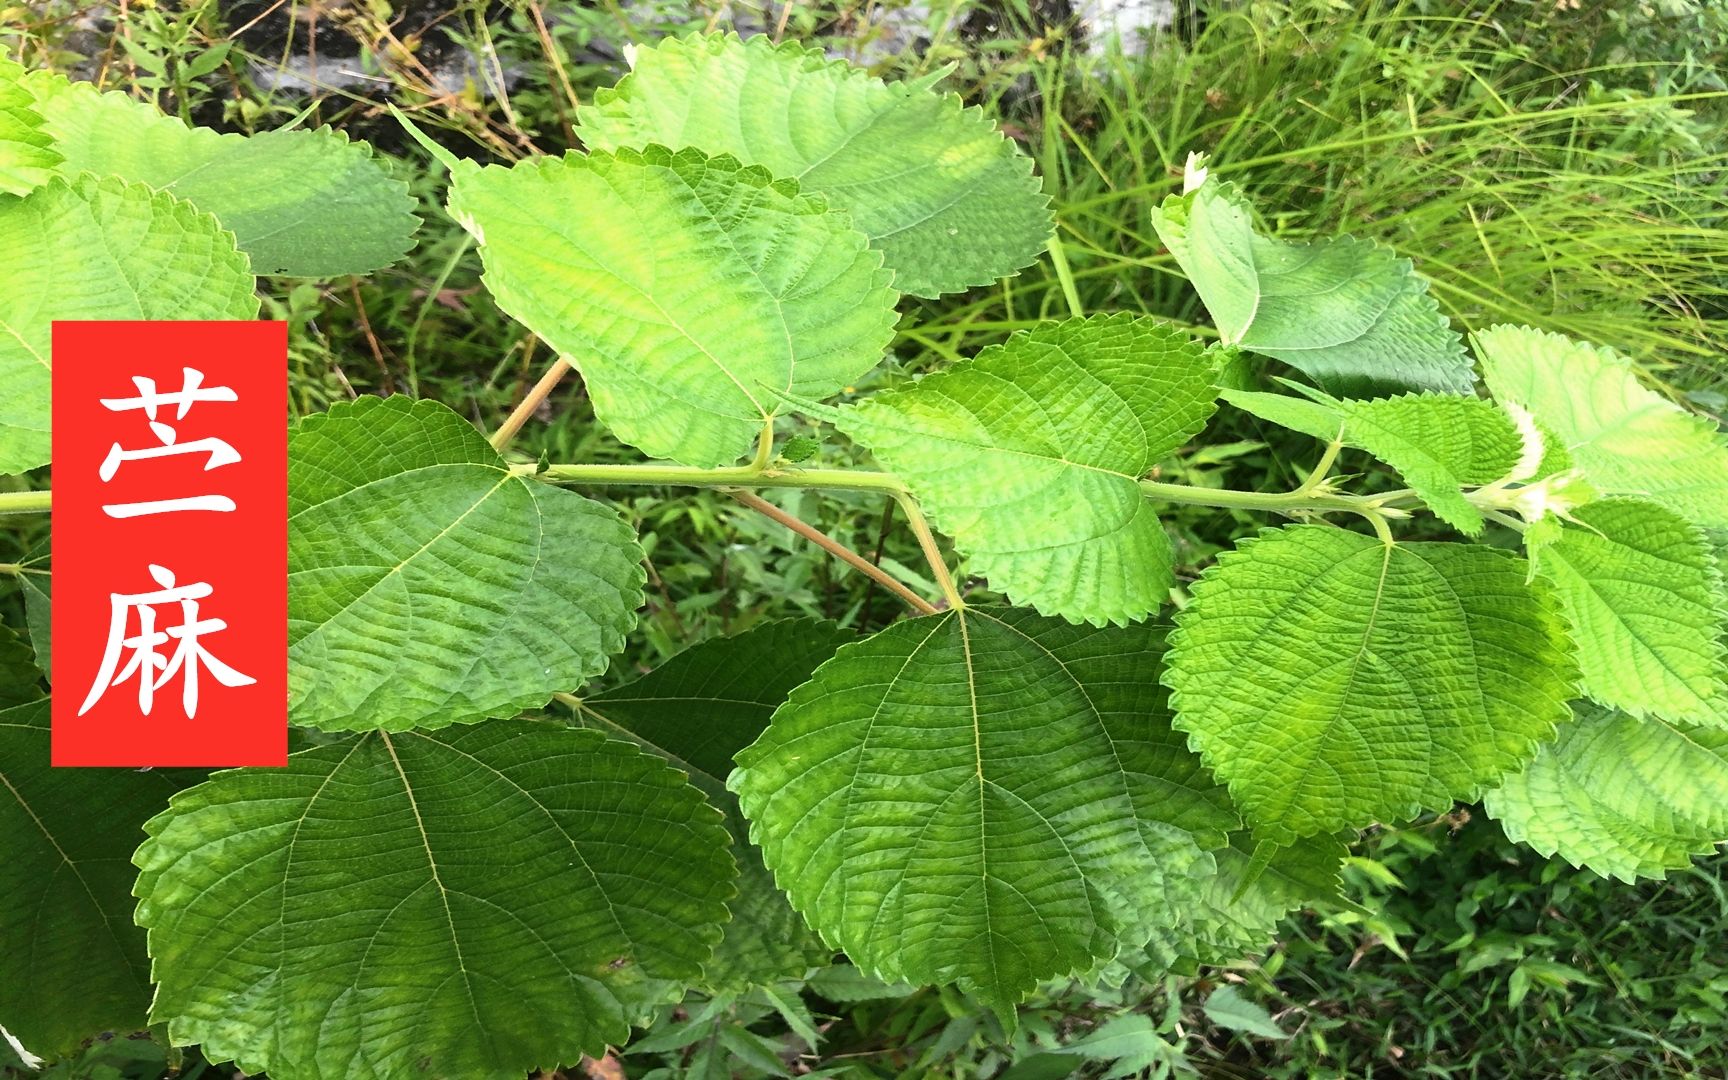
x=834, y=547
x=932, y=554
x=506, y=433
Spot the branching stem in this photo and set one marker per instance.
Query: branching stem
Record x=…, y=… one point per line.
x=760, y=473
x=1322, y=467
x=1391, y=504
x=1282, y=502
x=764, y=447
x=835, y=548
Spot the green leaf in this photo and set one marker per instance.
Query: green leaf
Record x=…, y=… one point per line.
x=75, y=964
x=428, y=586
x=1348, y=313
x=1129, y=1042
x=1236, y=914
x=991, y=798
x=1640, y=589
x=799, y=448
x=1626, y=439
x=20, y=682
x=36, y=580
x=685, y=288
x=1030, y=456
x=478, y=902
x=1627, y=798
x=845, y=983
x=206, y=61
x=301, y=203
x=99, y=249
x=27, y=155
x=697, y=710
x=1227, y=1008
x=1316, y=417
x=1332, y=680
x=1440, y=444
x=947, y=199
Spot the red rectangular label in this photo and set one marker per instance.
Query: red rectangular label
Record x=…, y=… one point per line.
x=170, y=611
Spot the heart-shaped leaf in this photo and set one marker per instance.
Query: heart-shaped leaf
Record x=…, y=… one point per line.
x=427, y=585
x=479, y=901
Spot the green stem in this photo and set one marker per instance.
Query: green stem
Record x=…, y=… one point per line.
x=741, y=476
x=1516, y=524
x=1392, y=504
x=932, y=554
x=1281, y=502
x=1317, y=476
x=24, y=502
x=764, y=447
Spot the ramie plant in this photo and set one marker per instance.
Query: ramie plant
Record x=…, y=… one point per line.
x=445, y=881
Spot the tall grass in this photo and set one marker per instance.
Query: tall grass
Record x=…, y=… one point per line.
x=1575, y=199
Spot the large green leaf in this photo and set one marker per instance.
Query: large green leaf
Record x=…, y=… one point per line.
x=1030, y=455
x=1439, y=443
x=27, y=155
x=685, y=288
x=1333, y=680
x=1348, y=313
x=475, y=902
x=1627, y=798
x=429, y=586
x=941, y=193
x=987, y=797
x=302, y=203
x=1640, y=589
x=72, y=965
x=697, y=710
x=1627, y=440
x=99, y=249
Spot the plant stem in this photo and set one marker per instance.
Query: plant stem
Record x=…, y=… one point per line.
x=932, y=554
x=506, y=432
x=1502, y=518
x=1381, y=529
x=1389, y=504
x=835, y=548
x=24, y=502
x=746, y=476
x=764, y=447
x=1323, y=466
x=1277, y=502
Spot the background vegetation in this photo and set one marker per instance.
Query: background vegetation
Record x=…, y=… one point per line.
x=1561, y=164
